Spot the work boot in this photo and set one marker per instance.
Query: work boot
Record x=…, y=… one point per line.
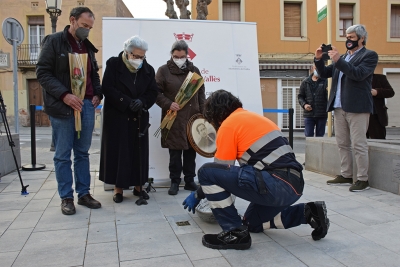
x=88, y=201
x=191, y=186
x=173, y=190
x=316, y=216
x=238, y=238
x=67, y=206
x=340, y=180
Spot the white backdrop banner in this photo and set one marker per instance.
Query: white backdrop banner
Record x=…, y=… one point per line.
x=225, y=52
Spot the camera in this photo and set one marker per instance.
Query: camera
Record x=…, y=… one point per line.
x=325, y=49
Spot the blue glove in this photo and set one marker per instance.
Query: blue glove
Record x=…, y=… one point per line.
x=191, y=202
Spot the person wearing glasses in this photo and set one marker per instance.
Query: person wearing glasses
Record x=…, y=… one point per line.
x=169, y=79
x=130, y=89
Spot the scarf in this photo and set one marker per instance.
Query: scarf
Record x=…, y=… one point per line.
x=127, y=64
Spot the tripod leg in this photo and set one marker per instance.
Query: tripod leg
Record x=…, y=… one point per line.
x=11, y=143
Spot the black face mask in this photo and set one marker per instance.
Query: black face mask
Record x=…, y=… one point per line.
x=350, y=45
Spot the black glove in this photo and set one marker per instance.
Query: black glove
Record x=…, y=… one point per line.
x=136, y=105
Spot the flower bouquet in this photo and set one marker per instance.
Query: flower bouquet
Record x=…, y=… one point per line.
x=188, y=89
x=77, y=70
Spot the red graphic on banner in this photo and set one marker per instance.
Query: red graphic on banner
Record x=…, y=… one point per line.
x=192, y=54
x=187, y=38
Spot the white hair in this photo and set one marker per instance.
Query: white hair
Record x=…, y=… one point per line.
x=360, y=31
x=135, y=42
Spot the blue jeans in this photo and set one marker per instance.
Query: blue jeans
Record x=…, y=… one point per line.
x=274, y=208
x=317, y=123
x=66, y=139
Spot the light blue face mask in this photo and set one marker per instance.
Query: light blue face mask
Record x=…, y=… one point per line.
x=316, y=74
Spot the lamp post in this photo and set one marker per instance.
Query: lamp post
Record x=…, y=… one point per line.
x=53, y=8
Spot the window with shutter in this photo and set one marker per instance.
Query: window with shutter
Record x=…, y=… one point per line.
x=345, y=18
x=395, y=21
x=231, y=11
x=292, y=19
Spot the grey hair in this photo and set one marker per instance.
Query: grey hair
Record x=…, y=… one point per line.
x=360, y=30
x=180, y=45
x=135, y=42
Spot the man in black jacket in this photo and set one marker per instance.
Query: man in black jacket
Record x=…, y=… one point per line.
x=53, y=72
x=378, y=120
x=351, y=99
x=313, y=99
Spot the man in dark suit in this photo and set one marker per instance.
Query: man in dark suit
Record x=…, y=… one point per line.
x=378, y=120
x=351, y=98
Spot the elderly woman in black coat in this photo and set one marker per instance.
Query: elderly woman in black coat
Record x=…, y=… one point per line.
x=130, y=90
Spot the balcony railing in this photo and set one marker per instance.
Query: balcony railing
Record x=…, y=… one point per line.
x=28, y=55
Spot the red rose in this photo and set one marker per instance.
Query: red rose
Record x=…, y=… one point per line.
x=194, y=82
x=77, y=72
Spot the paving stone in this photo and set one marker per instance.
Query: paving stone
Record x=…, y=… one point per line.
x=262, y=254
x=45, y=194
x=14, y=240
x=53, y=219
x=26, y=220
x=153, y=239
x=186, y=229
x=172, y=207
x=312, y=256
x=194, y=248
x=15, y=186
x=14, y=201
x=220, y=262
x=53, y=248
x=284, y=237
x=128, y=212
x=105, y=214
x=8, y=258
x=101, y=254
x=168, y=261
x=36, y=205
x=386, y=235
x=102, y=232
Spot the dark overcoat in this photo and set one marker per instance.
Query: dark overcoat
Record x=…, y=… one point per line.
x=384, y=90
x=121, y=156
x=169, y=79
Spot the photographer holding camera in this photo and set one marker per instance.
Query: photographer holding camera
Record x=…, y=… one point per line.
x=351, y=98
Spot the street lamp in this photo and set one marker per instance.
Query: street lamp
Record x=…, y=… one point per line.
x=53, y=7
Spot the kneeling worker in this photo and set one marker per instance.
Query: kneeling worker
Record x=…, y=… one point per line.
x=269, y=177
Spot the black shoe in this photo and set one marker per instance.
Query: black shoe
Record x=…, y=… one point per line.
x=173, y=190
x=235, y=239
x=191, y=186
x=144, y=194
x=316, y=215
x=88, y=201
x=67, y=206
x=118, y=197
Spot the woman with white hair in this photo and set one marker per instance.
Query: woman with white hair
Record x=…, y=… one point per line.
x=130, y=89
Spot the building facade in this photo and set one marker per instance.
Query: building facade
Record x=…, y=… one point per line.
x=37, y=24
x=288, y=34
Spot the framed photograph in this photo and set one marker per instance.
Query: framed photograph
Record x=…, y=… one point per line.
x=202, y=136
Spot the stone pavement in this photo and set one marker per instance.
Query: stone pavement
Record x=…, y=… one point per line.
x=364, y=229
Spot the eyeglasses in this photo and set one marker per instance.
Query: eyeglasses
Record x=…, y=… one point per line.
x=137, y=57
x=176, y=57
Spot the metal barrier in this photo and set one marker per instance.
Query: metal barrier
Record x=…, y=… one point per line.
x=291, y=113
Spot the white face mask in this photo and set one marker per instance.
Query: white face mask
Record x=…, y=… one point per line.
x=179, y=62
x=316, y=74
x=136, y=63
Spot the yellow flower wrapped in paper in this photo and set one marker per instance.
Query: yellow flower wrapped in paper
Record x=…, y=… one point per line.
x=188, y=89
